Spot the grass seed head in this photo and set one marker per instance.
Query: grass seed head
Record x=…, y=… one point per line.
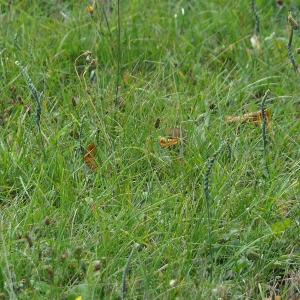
x=96, y=265
x=47, y=221
x=279, y=2
x=293, y=22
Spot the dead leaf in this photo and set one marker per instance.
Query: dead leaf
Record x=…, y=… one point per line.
x=89, y=157
x=126, y=77
x=177, y=132
x=283, y=206
x=255, y=43
x=253, y=117
x=180, y=73
x=273, y=298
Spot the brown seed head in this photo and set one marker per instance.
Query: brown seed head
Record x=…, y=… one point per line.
x=64, y=256
x=97, y=265
x=279, y=2
x=157, y=123
x=47, y=221
x=29, y=240
x=74, y=102
x=293, y=22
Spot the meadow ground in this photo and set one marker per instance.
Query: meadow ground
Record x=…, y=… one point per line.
x=93, y=206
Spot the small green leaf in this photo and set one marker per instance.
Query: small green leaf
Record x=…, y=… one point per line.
x=279, y=227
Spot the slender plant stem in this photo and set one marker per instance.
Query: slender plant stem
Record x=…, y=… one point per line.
x=106, y=20
x=118, y=54
x=207, y=198
x=37, y=97
x=80, y=136
x=290, y=51
x=263, y=129
x=135, y=247
x=256, y=16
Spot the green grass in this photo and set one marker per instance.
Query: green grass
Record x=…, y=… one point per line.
x=68, y=231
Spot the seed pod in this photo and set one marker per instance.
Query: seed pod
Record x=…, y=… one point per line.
x=74, y=102
x=157, y=123
x=279, y=2
x=29, y=240
x=293, y=22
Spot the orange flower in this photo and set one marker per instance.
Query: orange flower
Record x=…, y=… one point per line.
x=254, y=117
x=90, y=9
x=168, y=142
x=89, y=157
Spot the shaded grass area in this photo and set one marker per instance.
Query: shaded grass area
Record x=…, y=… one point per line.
x=68, y=231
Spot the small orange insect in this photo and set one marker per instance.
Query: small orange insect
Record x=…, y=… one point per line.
x=254, y=117
x=168, y=142
x=89, y=157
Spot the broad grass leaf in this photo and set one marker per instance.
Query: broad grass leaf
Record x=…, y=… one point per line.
x=279, y=227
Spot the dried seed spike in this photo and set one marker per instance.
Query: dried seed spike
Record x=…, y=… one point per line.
x=157, y=123
x=74, y=102
x=279, y=2
x=293, y=22
x=47, y=221
x=29, y=240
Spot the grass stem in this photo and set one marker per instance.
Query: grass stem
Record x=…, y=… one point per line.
x=135, y=247
x=118, y=55
x=256, y=16
x=207, y=198
x=37, y=97
x=290, y=51
x=263, y=129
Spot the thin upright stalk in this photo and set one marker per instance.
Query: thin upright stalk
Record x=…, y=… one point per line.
x=118, y=55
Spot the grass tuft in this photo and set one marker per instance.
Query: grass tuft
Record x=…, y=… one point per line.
x=207, y=198
x=116, y=76
x=37, y=96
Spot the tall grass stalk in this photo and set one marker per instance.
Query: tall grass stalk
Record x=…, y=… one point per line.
x=263, y=129
x=207, y=198
x=135, y=247
x=290, y=51
x=118, y=54
x=37, y=97
x=256, y=16
x=106, y=19
x=294, y=26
